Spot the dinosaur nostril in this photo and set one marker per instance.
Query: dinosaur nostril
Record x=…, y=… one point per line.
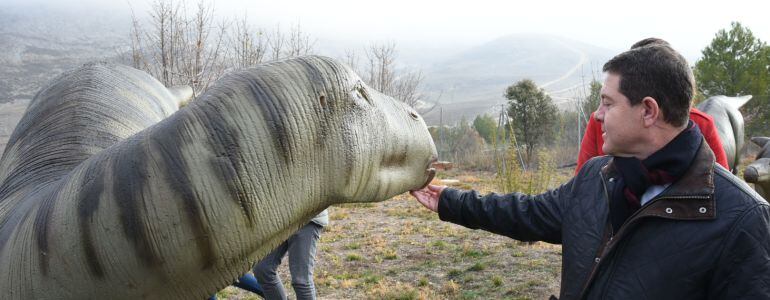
x=322, y=99
x=414, y=115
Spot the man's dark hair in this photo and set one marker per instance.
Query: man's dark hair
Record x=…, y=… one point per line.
x=651, y=68
x=650, y=41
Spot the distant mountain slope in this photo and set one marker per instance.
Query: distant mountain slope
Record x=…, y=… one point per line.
x=473, y=81
x=38, y=43
x=10, y=114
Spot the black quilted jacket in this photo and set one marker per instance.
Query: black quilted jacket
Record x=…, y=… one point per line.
x=707, y=236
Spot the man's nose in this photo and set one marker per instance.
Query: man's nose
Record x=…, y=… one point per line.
x=599, y=114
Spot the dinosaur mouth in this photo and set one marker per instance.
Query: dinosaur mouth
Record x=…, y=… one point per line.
x=430, y=171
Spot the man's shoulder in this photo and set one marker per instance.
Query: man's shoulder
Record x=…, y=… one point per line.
x=594, y=165
x=728, y=186
x=738, y=205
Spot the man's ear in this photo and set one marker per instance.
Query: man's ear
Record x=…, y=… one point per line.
x=651, y=111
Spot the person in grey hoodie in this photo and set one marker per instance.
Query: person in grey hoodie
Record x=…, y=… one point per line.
x=301, y=247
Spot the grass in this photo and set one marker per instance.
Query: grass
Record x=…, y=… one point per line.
x=353, y=257
x=479, y=266
x=396, y=249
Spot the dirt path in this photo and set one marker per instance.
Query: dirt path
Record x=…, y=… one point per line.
x=583, y=60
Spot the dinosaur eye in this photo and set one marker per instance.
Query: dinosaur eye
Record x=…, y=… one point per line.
x=414, y=115
x=322, y=100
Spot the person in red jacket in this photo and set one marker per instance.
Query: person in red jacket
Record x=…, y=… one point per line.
x=592, y=140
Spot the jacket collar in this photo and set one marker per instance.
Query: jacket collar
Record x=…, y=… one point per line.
x=689, y=198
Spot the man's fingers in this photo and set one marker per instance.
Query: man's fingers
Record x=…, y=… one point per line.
x=427, y=203
x=436, y=188
x=420, y=195
x=417, y=193
x=426, y=198
x=432, y=187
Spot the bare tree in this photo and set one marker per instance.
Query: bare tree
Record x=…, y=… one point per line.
x=137, y=57
x=159, y=40
x=196, y=49
x=276, y=41
x=178, y=49
x=405, y=88
x=296, y=44
x=202, y=58
x=382, y=75
x=351, y=59
x=247, y=46
x=381, y=62
x=299, y=43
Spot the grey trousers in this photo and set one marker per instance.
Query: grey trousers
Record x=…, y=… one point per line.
x=301, y=248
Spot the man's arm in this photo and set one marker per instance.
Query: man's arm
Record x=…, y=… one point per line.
x=519, y=216
x=743, y=270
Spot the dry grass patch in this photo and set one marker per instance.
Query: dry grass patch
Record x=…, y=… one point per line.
x=396, y=249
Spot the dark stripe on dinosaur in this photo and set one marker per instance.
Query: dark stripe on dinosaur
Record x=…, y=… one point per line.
x=176, y=172
x=89, y=203
x=324, y=115
x=272, y=89
x=129, y=172
x=42, y=224
x=274, y=115
x=225, y=142
x=332, y=80
x=18, y=213
x=350, y=156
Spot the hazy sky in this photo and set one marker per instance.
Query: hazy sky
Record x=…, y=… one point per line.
x=688, y=25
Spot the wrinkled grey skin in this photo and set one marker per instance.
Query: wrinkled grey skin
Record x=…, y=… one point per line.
x=102, y=196
x=758, y=171
x=729, y=123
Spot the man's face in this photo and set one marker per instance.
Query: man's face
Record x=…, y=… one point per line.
x=622, y=124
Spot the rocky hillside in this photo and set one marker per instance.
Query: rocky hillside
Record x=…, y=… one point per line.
x=38, y=43
x=10, y=113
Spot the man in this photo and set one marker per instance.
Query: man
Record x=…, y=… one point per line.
x=657, y=219
x=591, y=144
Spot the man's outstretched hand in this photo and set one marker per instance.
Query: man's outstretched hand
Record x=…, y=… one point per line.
x=428, y=196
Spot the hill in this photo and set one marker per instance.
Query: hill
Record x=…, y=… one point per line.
x=38, y=43
x=10, y=114
x=473, y=82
